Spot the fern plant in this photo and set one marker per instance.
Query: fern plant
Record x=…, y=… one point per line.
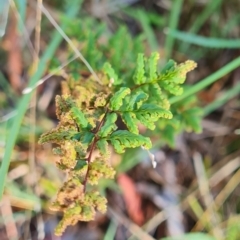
x=88, y=110
x=98, y=46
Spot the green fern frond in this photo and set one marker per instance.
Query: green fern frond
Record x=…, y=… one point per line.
x=117, y=99
x=113, y=77
x=80, y=119
x=123, y=139
x=57, y=135
x=139, y=76
x=169, y=66
x=171, y=87
x=129, y=118
x=150, y=113
x=158, y=96
x=85, y=137
x=176, y=73
x=152, y=65
x=135, y=100
x=102, y=146
x=109, y=125
x=193, y=120
x=80, y=164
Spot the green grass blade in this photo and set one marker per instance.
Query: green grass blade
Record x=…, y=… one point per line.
x=204, y=41
x=3, y=16
x=145, y=21
x=208, y=80
x=6, y=88
x=22, y=4
x=147, y=29
x=232, y=22
x=206, y=13
x=15, y=190
x=222, y=100
x=173, y=22
x=201, y=19
x=24, y=101
x=125, y=164
x=111, y=231
x=191, y=236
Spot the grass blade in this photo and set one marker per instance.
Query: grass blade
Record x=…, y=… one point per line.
x=145, y=21
x=22, y=5
x=204, y=41
x=174, y=19
x=3, y=16
x=201, y=19
x=4, y=84
x=147, y=29
x=222, y=100
x=206, y=13
x=111, y=231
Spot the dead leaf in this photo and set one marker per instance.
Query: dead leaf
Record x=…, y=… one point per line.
x=132, y=198
x=14, y=61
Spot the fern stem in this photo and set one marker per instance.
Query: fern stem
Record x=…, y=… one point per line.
x=93, y=145
x=88, y=161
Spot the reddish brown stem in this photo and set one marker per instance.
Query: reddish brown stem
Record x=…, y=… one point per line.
x=92, y=149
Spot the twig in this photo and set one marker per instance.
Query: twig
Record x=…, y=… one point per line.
x=69, y=41
x=133, y=228
x=8, y=219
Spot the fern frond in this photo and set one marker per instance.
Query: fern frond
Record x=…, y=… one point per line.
x=99, y=169
x=102, y=146
x=139, y=76
x=123, y=139
x=152, y=65
x=135, y=100
x=129, y=118
x=109, y=125
x=158, y=96
x=150, y=113
x=113, y=77
x=80, y=119
x=171, y=87
x=88, y=113
x=117, y=99
x=57, y=135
